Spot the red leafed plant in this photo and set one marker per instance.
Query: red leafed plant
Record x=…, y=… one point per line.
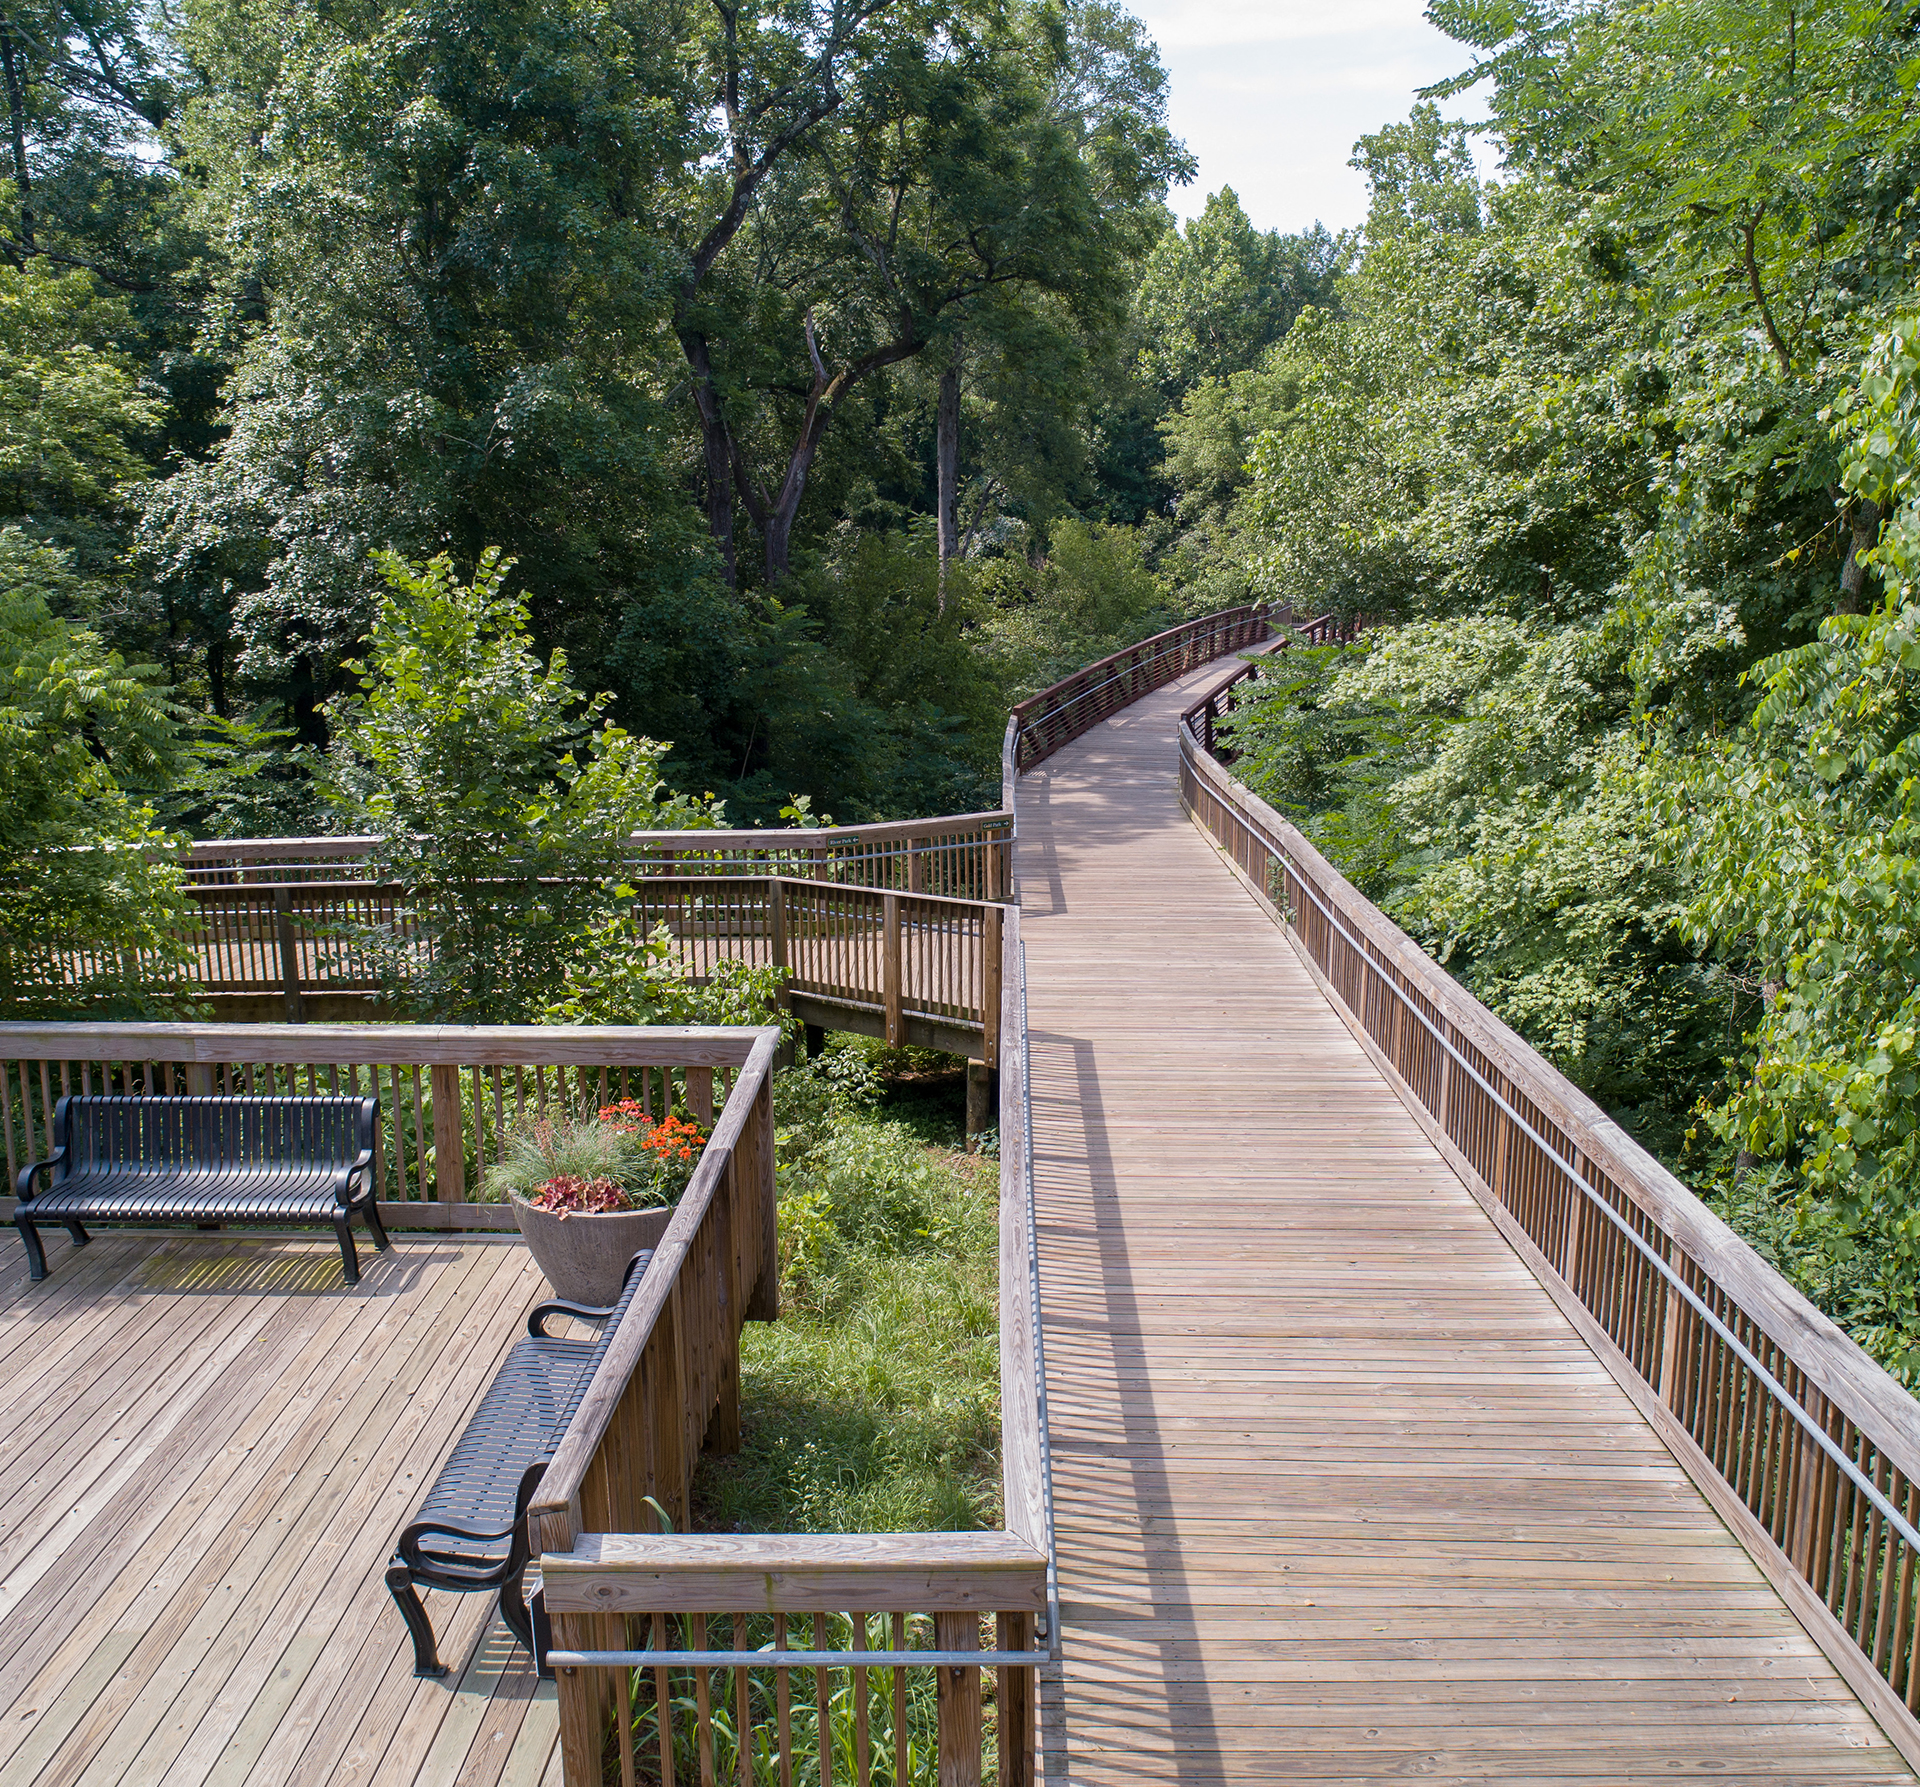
x=568, y=1194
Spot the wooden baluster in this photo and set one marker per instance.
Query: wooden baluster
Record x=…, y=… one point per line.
x=900, y=1704
x=783, y=1710
x=700, y=1092
x=862, y=1736
x=823, y=1704
x=890, y=967
x=1014, y=1632
x=958, y=1696
x=449, y=1136
x=742, y=1708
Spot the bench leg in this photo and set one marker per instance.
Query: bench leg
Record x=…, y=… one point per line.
x=348, y=1258
x=79, y=1234
x=375, y=1227
x=36, y=1255
x=426, y=1658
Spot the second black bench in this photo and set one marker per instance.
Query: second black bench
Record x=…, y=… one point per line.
x=284, y=1161
x=471, y=1531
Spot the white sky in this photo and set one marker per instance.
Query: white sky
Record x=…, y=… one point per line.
x=1270, y=95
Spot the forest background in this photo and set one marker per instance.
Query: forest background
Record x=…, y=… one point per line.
x=807, y=379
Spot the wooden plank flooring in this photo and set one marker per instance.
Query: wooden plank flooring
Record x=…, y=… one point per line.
x=1341, y=1496
x=210, y=1444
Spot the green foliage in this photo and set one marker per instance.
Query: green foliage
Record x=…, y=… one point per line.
x=872, y=1405
x=1803, y=836
x=618, y=973
x=91, y=904
x=1213, y=299
x=496, y=800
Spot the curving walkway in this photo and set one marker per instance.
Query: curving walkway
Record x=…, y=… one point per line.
x=1341, y=1496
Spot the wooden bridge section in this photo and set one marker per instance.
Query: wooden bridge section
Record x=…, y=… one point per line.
x=1341, y=1494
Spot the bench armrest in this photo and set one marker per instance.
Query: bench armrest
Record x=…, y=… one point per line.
x=343, y=1186
x=409, y=1548
x=537, y=1320
x=24, y=1186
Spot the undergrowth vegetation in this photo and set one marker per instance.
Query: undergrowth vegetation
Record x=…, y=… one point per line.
x=872, y=1405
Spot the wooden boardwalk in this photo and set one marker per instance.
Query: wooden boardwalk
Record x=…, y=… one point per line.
x=1341, y=1496
x=211, y=1444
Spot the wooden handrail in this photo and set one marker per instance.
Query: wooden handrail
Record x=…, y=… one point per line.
x=1040, y=725
x=1807, y=1448
x=966, y=853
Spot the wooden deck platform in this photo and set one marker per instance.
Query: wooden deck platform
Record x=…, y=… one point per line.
x=211, y=1444
x=1341, y=1496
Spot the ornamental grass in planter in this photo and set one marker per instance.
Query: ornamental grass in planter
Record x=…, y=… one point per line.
x=590, y=1192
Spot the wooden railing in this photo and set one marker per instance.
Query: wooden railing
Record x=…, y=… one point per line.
x=669, y=1646
x=1040, y=725
x=1807, y=1449
x=964, y=856
x=913, y=968
x=450, y=1096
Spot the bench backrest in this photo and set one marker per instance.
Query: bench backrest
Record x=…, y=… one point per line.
x=641, y=1261
x=156, y=1135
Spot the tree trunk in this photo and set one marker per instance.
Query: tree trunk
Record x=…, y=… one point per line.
x=1864, y=519
x=17, y=117
x=717, y=443
x=947, y=466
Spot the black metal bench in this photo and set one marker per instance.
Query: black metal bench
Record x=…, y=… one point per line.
x=301, y=1161
x=471, y=1531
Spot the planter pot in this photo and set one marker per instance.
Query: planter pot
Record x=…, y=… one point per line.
x=583, y=1256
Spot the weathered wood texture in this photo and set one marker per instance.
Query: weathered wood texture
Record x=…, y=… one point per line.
x=1808, y=1448
x=963, y=854
x=617, y=1583
x=211, y=1446
x=1341, y=1493
x=914, y=963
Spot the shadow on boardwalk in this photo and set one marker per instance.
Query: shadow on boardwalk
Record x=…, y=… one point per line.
x=1341, y=1496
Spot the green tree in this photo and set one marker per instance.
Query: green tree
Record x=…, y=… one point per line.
x=893, y=173
x=1802, y=833
x=1213, y=298
x=499, y=798
x=92, y=909
x=443, y=218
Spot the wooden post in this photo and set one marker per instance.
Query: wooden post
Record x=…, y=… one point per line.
x=992, y=958
x=585, y=1695
x=979, y=1102
x=449, y=1137
x=761, y=1198
x=958, y=1696
x=700, y=1092
x=777, y=930
x=890, y=966
x=1014, y=1631
x=723, y=1425
x=289, y=953
x=200, y=1080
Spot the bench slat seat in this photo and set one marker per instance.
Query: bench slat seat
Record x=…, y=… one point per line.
x=291, y=1161
x=471, y=1529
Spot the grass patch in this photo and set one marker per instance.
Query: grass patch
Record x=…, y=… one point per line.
x=873, y=1404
